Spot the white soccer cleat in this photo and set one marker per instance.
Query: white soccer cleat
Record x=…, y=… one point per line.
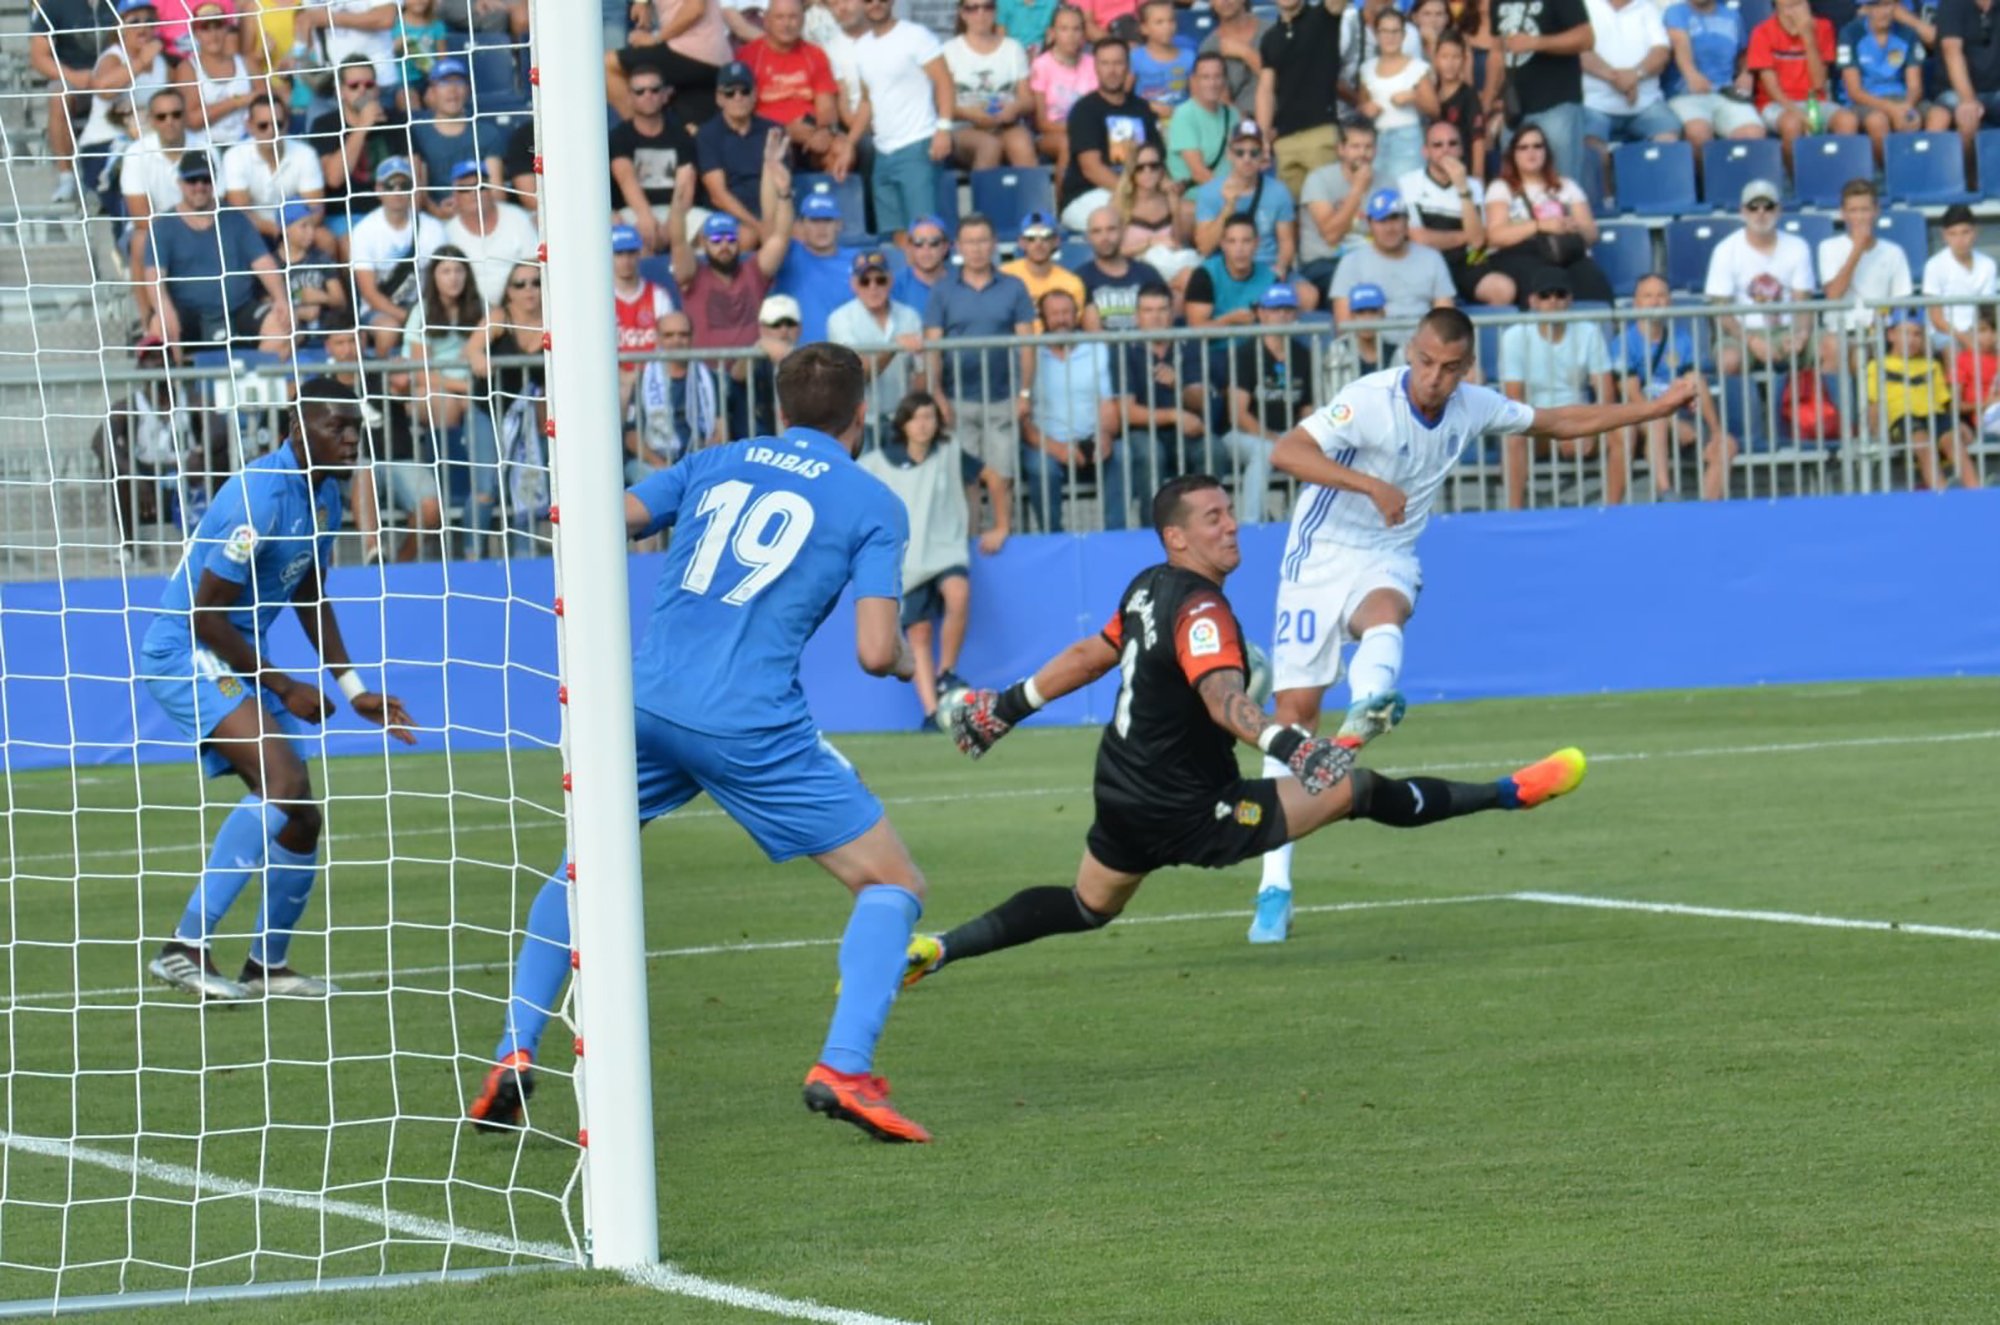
x=283, y=982
x=1370, y=717
x=189, y=968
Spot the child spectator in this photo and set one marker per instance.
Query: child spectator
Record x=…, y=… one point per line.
x=1910, y=396
x=1972, y=373
x=1882, y=79
x=316, y=283
x=1959, y=272
x=1447, y=94
x=1062, y=74
x=1163, y=61
x=1791, y=56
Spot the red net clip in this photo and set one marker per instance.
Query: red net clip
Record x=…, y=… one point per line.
x=575, y=960
x=549, y=428
x=534, y=75
x=562, y=694
x=569, y=871
x=538, y=163
x=583, y=1138
x=542, y=253
x=558, y=606
x=548, y=341
x=555, y=515
x=566, y=782
x=577, y=1046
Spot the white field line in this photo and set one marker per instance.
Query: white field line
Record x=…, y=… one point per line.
x=1763, y=917
x=660, y=1278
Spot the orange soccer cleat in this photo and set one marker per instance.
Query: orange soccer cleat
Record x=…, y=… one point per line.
x=861, y=1099
x=504, y=1093
x=1544, y=780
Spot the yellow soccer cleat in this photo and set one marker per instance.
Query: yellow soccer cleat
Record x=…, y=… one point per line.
x=1544, y=780
x=926, y=955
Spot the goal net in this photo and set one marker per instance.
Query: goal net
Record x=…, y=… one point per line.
x=156, y=319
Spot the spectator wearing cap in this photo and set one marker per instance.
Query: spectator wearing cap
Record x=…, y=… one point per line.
x=1969, y=44
x=906, y=103
x=1792, y=55
x=815, y=273
x=1413, y=279
x=983, y=395
x=149, y=175
x=213, y=277
x=1909, y=399
x=888, y=335
x=991, y=102
x=445, y=135
x=1267, y=392
x=1072, y=422
x=647, y=150
x=1112, y=281
x=1225, y=288
x=1959, y=272
x=1622, y=98
x=1882, y=77
x=1198, y=134
x=1297, y=86
x=685, y=45
x=1037, y=267
x=1444, y=205
x=721, y=291
x=752, y=410
x=1652, y=355
x=216, y=80
x=63, y=41
x=494, y=235
x=1248, y=188
x=353, y=138
x=1553, y=364
x=356, y=30
x=1359, y=350
x=390, y=249
x=1760, y=264
x=266, y=170
x=315, y=285
x=796, y=90
x=1333, y=201
x=730, y=150
x=1163, y=420
x=127, y=72
x=928, y=251
x=1106, y=130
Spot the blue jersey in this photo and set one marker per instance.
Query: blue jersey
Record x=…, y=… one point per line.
x=771, y=530
x=263, y=531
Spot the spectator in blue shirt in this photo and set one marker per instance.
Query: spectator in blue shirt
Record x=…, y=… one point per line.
x=1162, y=380
x=1225, y=288
x=448, y=135
x=927, y=258
x=1162, y=61
x=1705, y=82
x=984, y=396
x=1652, y=355
x=217, y=279
x=729, y=150
x=815, y=272
x=1882, y=78
x=1248, y=188
x=1070, y=430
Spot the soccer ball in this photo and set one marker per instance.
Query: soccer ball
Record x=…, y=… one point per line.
x=1259, y=684
x=949, y=703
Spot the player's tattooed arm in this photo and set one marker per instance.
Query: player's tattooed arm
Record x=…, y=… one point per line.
x=1230, y=705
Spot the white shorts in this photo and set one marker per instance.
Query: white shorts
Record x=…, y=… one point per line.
x=1313, y=611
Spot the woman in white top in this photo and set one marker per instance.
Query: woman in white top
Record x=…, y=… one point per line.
x=990, y=73
x=1389, y=98
x=129, y=71
x=216, y=81
x=1535, y=218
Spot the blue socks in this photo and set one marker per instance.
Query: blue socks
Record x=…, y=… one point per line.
x=247, y=843
x=871, y=974
x=541, y=969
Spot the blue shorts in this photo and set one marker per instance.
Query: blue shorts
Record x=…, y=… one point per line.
x=925, y=602
x=197, y=691
x=789, y=789
x=905, y=186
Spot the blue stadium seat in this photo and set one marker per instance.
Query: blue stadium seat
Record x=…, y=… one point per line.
x=1927, y=169
x=947, y=201
x=1688, y=245
x=1653, y=179
x=1624, y=250
x=1753, y=11
x=1489, y=330
x=1006, y=194
x=1809, y=226
x=848, y=193
x=1823, y=164
x=499, y=67
x=1194, y=24
x=1727, y=165
x=1074, y=253
x=1988, y=152
x=1908, y=232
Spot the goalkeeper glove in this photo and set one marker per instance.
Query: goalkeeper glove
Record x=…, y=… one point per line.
x=978, y=718
x=1318, y=762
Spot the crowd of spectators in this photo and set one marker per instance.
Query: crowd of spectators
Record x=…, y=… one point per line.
x=315, y=178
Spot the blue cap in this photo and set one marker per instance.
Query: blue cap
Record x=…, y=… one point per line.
x=464, y=168
x=449, y=67
x=869, y=260
x=1383, y=204
x=294, y=212
x=1366, y=299
x=128, y=6
x=1904, y=317
x=820, y=207
x=1038, y=221
x=933, y=220
x=1279, y=295
x=736, y=74
x=719, y=225
x=625, y=239
x=397, y=165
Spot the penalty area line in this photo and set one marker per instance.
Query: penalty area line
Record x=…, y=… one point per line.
x=1756, y=916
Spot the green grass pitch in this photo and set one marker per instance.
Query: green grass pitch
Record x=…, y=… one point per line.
x=1472, y=1110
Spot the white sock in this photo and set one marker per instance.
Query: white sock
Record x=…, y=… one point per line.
x=1278, y=862
x=1378, y=662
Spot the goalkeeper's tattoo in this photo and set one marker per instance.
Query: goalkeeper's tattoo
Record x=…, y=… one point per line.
x=1230, y=705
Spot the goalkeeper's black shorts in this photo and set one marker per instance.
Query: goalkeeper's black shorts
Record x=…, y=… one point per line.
x=1241, y=820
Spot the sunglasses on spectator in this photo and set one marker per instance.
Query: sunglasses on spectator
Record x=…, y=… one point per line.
x=526, y=283
x=939, y=242
x=874, y=278
x=733, y=92
x=1444, y=142
x=784, y=322
x=1148, y=165
x=1760, y=206
x=360, y=85
x=1038, y=236
x=1246, y=153
x=166, y=116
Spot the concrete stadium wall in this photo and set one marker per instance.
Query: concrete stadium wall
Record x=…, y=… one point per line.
x=1563, y=602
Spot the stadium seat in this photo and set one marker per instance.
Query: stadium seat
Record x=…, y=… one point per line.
x=1073, y=254
x=1926, y=169
x=499, y=76
x=1988, y=152
x=1006, y=194
x=1727, y=165
x=1194, y=24
x=853, y=203
x=1688, y=245
x=947, y=201
x=1624, y=251
x=1809, y=226
x=1653, y=179
x=1753, y=11
x=1908, y=232
x=1823, y=164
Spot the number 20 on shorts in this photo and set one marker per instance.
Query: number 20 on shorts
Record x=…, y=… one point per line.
x=1301, y=627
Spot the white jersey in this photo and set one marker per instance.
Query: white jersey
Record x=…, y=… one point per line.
x=1372, y=427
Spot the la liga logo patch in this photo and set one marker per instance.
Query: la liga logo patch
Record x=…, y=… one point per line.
x=1343, y=413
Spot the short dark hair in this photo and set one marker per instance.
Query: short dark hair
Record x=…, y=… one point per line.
x=1206, y=56
x=324, y=390
x=906, y=409
x=1356, y=129
x=1956, y=214
x=1170, y=502
x=1112, y=40
x=972, y=219
x=820, y=386
x=1451, y=37
x=1859, y=188
x=1449, y=325
x=1237, y=219
x=1042, y=304
x=1153, y=290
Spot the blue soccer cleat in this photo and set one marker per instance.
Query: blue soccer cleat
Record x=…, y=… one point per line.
x=1369, y=717
x=1273, y=922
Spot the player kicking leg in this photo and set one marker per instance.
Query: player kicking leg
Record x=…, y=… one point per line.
x=1166, y=787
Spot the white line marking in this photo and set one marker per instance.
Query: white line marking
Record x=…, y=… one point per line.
x=1765, y=917
x=551, y=824
x=660, y=1278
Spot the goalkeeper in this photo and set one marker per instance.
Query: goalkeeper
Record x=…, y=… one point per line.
x=265, y=541
x=1167, y=786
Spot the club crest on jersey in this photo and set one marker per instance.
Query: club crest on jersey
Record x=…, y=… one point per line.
x=1249, y=813
x=242, y=542
x=1204, y=638
x=1343, y=414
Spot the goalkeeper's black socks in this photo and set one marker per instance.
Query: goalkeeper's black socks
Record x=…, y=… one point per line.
x=1032, y=913
x=1415, y=802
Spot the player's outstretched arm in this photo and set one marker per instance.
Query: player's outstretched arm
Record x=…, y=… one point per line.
x=1300, y=456
x=322, y=627
x=978, y=718
x=1316, y=761
x=1569, y=421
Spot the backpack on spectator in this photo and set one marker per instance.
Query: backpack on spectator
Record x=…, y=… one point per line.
x=1806, y=410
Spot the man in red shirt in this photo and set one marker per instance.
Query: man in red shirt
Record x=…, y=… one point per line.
x=1794, y=88
x=795, y=88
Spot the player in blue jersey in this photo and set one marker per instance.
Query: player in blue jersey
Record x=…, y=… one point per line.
x=263, y=545
x=767, y=534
